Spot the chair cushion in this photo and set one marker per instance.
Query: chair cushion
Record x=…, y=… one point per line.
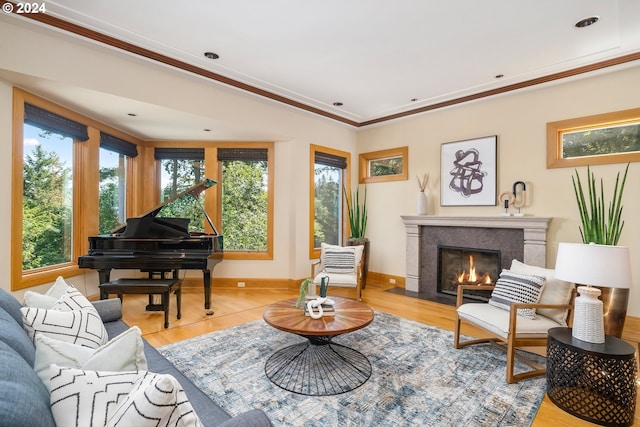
x=496, y=320
x=340, y=280
x=340, y=259
x=555, y=291
x=516, y=287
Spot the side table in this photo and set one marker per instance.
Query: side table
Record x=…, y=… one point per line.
x=595, y=382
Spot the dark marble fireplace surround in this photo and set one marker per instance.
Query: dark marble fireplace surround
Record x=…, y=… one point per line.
x=521, y=238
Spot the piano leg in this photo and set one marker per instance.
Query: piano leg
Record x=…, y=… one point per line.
x=104, y=275
x=207, y=291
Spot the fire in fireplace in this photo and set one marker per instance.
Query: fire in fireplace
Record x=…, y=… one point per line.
x=468, y=266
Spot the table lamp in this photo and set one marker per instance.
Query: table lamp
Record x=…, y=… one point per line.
x=596, y=265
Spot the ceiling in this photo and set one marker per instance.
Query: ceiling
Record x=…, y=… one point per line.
x=379, y=59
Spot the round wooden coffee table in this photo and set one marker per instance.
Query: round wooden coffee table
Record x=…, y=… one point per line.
x=318, y=366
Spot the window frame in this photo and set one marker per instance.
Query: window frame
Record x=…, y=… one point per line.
x=314, y=253
x=239, y=254
x=555, y=130
x=365, y=159
x=86, y=159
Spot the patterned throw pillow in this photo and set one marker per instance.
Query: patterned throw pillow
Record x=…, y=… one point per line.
x=338, y=259
x=72, y=319
x=88, y=398
x=516, y=287
x=155, y=400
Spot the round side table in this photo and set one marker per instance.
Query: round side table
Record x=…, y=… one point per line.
x=595, y=382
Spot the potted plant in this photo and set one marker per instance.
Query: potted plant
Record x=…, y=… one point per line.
x=599, y=226
x=357, y=213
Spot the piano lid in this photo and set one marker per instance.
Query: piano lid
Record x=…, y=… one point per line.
x=193, y=192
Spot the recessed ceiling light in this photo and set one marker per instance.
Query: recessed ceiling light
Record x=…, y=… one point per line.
x=132, y=114
x=586, y=22
x=414, y=99
x=211, y=55
x=207, y=130
x=499, y=76
x=338, y=104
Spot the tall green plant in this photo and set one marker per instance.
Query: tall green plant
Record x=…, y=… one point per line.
x=599, y=226
x=357, y=212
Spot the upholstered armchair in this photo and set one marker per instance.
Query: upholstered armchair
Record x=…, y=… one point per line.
x=343, y=266
x=509, y=320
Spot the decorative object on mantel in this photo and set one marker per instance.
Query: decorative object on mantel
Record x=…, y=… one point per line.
x=357, y=214
x=595, y=265
x=507, y=198
x=422, y=207
x=514, y=198
x=520, y=197
x=468, y=171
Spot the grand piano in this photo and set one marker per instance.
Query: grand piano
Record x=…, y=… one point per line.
x=158, y=245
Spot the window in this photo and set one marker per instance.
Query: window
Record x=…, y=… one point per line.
x=182, y=168
x=594, y=140
x=384, y=165
x=46, y=231
x=245, y=198
x=112, y=182
x=329, y=170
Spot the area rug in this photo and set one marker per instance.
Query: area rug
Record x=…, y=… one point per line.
x=418, y=378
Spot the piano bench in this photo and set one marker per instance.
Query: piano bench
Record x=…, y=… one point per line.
x=163, y=287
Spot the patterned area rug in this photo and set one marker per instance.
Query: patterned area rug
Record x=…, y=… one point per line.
x=418, y=378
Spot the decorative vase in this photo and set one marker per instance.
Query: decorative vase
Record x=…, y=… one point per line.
x=588, y=324
x=422, y=205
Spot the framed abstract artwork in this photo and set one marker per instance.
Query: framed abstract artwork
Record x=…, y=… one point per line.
x=468, y=172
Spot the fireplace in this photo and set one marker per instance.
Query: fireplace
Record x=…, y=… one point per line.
x=521, y=238
x=466, y=266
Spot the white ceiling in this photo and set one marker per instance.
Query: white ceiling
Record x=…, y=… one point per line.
x=377, y=57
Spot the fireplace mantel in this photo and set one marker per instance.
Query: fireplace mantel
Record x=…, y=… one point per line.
x=535, y=237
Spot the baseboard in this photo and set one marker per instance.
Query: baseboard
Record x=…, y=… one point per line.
x=397, y=281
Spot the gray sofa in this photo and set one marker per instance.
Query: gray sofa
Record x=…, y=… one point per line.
x=24, y=401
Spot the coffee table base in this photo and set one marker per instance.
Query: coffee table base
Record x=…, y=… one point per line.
x=318, y=367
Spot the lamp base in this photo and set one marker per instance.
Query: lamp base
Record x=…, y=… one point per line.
x=615, y=302
x=588, y=324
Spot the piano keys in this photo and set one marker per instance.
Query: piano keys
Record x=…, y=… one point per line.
x=158, y=244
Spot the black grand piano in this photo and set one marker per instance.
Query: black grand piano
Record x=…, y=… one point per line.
x=157, y=245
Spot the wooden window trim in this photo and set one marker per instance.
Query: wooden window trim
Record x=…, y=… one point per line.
x=556, y=129
x=85, y=191
x=248, y=255
x=314, y=253
x=365, y=158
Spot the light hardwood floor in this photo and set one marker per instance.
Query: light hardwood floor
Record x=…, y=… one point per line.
x=234, y=306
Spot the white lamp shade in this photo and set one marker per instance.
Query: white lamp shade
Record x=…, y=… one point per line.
x=592, y=264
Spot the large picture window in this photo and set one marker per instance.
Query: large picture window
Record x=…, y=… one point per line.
x=328, y=177
x=245, y=198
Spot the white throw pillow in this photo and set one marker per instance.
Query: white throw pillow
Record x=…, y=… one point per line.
x=125, y=352
x=155, y=400
x=72, y=318
x=49, y=298
x=555, y=291
x=88, y=398
x=515, y=287
x=340, y=259
x=83, y=327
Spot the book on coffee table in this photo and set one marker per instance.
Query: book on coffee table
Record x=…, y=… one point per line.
x=327, y=310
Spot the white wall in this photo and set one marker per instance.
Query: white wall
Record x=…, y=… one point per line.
x=519, y=120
